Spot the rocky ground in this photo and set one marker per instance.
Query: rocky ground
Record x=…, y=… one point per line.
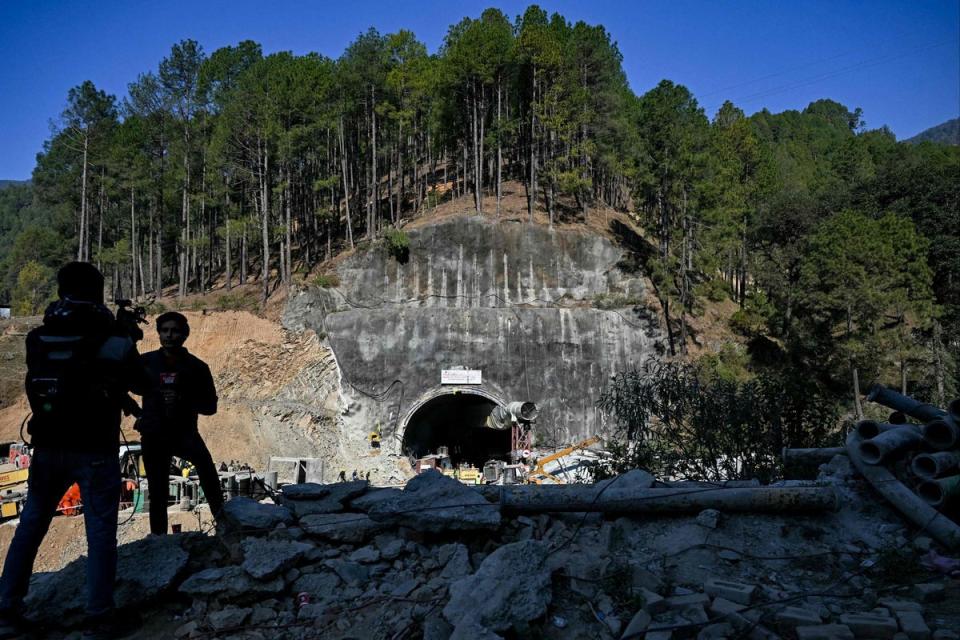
x=436, y=560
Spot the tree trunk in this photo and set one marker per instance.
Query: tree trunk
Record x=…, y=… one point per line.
x=265, y=215
x=133, y=246
x=855, y=375
x=81, y=256
x=346, y=187
x=499, y=149
x=532, y=188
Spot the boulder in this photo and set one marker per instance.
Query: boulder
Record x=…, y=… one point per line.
x=249, y=516
x=264, y=559
x=227, y=583
x=433, y=502
x=511, y=586
x=352, y=528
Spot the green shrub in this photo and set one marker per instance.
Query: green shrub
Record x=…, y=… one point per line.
x=235, y=302
x=155, y=308
x=327, y=281
x=752, y=320
x=398, y=244
x=676, y=420
x=615, y=301
x=715, y=290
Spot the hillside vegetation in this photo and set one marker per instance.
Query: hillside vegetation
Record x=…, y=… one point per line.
x=839, y=247
x=946, y=133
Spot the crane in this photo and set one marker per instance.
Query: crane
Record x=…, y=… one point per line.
x=539, y=473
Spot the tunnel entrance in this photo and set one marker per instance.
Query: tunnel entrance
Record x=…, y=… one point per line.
x=458, y=422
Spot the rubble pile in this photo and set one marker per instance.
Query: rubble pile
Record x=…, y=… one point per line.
x=440, y=561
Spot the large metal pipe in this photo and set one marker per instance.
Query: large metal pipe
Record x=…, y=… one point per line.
x=867, y=429
x=525, y=411
x=933, y=465
x=941, y=433
x=942, y=493
x=499, y=418
x=906, y=502
x=811, y=456
x=626, y=500
x=899, y=402
x=954, y=410
x=888, y=444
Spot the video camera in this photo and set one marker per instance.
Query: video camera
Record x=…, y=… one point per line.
x=129, y=318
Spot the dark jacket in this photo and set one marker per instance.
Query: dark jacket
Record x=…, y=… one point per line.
x=179, y=390
x=80, y=366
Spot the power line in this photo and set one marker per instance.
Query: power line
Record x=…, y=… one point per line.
x=863, y=64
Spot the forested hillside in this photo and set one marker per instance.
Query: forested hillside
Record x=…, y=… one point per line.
x=840, y=246
x=946, y=133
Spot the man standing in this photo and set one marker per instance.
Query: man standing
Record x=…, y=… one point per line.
x=80, y=366
x=181, y=387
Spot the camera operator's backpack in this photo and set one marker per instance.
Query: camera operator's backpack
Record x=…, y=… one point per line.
x=67, y=370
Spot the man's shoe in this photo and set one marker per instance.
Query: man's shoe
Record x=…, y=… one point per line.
x=12, y=625
x=111, y=626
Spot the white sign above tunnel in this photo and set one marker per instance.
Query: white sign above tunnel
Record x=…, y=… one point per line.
x=460, y=376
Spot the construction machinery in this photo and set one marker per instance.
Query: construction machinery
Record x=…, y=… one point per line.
x=539, y=473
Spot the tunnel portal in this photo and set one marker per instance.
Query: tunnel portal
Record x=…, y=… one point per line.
x=457, y=421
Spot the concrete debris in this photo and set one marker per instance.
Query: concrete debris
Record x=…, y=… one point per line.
x=709, y=518
x=459, y=570
x=249, y=516
x=433, y=502
x=229, y=582
x=498, y=594
x=265, y=559
x=312, y=498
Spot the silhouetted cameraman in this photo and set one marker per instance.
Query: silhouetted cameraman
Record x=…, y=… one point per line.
x=80, y=366
x=181, y=388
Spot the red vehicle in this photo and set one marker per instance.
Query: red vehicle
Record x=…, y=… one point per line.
x=19, y=455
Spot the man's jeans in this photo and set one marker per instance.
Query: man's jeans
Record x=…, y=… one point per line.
x=157, y=451
x=51, y=474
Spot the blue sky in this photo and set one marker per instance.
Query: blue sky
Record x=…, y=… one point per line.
x=899, y=61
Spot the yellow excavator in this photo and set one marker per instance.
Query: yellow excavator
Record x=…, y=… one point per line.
x=538, y=474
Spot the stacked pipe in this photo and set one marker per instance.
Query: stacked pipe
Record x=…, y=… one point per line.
x=931, y=450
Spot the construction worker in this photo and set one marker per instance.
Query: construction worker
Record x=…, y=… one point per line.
x=181, y=388
x=80, y=365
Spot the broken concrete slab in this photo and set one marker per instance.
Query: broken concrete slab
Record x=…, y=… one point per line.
x=265, y=559
x=433, y=502
x=320, y=586
x=317, y=491
x=913, y=624
x=870, y=625
x=825, y=632
x=733, y=591
x=498, y=596
x=249, y=516
x=638, y=624
x=456, y=564
x=373, y=497
x=312, y=498
x=229, y=582
x=228, y=618
x=352, y=528
x=797, y=617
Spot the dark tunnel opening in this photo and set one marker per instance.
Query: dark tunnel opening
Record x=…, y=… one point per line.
x=458, y=422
